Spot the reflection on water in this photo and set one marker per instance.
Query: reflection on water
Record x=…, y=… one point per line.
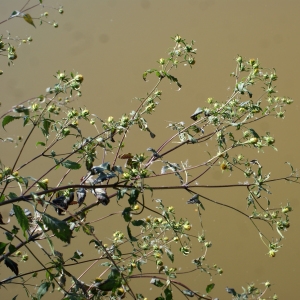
x=113, y=42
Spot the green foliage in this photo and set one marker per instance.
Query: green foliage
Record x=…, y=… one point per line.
x=150, y=234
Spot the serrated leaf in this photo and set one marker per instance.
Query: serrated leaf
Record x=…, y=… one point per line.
x=71, y=165
x=21, y=218
x=210, y=287
x=46, y=126
x=8, y=119
x=59, y=228
x=12, y=265
x=2, y=247
x=43, y=289
x=138, y=222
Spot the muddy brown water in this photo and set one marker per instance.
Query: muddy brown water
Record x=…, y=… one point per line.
x=112, y=43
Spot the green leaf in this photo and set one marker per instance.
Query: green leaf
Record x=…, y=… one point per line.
x=2, y=198
x=88, y=229
x=131, y=237
x=46, y=126
x=77, y=255
x=21, y=218
x=59, y=228
x=25, y=120
x=71, y=165
x=168, y=294
x=12, y=195
x=156, y=282
x=12, y=265
x=170, y=254
x=138, y=222
x=43, y=289
x=121, y=193
x=40, y=143
x=2, y=247
x=42, y=185
x=134, y=194
x=254, y=133
x=8, y=119
x=14, y=13
x=126, y=214
x=9, y=236
x=210, y=287
x=12, y=248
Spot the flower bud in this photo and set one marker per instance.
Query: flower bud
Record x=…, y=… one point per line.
x=79, y=78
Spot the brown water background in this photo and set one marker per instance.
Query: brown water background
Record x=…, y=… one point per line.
x=113, y=42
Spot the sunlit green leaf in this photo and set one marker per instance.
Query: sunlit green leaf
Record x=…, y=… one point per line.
x=59, y=228
x=21, y=218
x=8, y=119
x=210, y=287
x=2, y=247
x=40, y=143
